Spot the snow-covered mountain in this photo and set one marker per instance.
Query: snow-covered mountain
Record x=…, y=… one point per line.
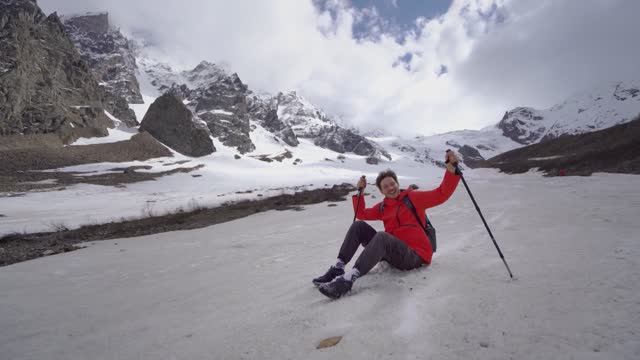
x=237, y=116
x=304, y=118
x=288, y=117
x=107, y=52
x=111, y=59
x=267, y=126
x=587, y=111
x=472, y=145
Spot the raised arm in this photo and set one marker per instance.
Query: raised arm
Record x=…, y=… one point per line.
x=435, y=197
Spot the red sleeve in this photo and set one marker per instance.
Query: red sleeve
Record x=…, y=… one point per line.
x=435, y=197
x=363, y=213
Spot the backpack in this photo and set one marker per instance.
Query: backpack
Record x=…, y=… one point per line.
x=428, y=229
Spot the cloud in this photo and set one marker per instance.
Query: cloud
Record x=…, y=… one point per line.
x=546, y=51
x=465, y=68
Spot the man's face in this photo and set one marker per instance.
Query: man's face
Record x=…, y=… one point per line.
x=389, y=187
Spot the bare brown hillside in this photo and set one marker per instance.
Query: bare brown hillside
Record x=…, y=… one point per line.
x=615, y=149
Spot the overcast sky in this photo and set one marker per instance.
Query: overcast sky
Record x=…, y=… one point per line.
x=408, y=66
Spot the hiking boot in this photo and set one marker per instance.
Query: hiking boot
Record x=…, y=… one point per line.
x=336, y=288
x=331, y=274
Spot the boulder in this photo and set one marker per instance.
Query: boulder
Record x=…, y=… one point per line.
x=169, y=121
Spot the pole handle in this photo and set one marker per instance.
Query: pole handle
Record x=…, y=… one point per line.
x=360, y=189
x=458, y=171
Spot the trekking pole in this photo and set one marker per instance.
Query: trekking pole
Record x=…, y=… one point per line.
x=360, y=189
x=458, y=172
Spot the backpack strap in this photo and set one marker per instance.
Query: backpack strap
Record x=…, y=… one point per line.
x=428, y=228
x=407, y=202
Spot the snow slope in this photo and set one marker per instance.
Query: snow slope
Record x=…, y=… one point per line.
x=217, y=182
x=589, y=110
x=242, y=289
x=428, y=149
x=119, y=133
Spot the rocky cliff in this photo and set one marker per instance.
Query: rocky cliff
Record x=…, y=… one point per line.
x=111, y=59
x=45, y=86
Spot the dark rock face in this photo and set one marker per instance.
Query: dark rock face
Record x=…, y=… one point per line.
x=222, y=105
x=279, y=157
x=265, y=111
x=471, y=156
x=90, y=23
x=212, y=95
x=118, y=107
x=169, y=121
x=372, y=160
x=519, y=125
x=232, y=130
x=45, y=87
x=622, y=93
x=110, y=58
x=341, y=140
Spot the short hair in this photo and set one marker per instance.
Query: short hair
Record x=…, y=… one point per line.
x=384, y=174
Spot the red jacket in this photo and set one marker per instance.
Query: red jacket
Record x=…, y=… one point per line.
x=399, y=220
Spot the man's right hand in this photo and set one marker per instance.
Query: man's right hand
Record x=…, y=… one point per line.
x=362, y=183
x=451, y=160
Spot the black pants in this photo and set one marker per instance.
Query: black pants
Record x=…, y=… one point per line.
x=377, y=246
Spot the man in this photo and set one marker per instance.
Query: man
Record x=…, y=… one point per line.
x=403, y=243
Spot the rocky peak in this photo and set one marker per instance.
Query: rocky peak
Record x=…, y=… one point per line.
x=28, y=10
x=308, y=121
x=206, y=73
x=45, y=86
x=305, y=119
x=622, y=92
x=89, y=23
x=214, y=96
x=523, y=125
x=227, y=105
x=264, y=109
x=595, y=109
x=342, y=140
x=111, y=59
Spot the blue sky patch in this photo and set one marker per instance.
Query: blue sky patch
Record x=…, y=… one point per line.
x=395, y=18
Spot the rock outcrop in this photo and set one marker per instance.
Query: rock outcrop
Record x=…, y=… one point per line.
x=45, y=87
x=111, y=59
x=232, y=111
x=169, y=121
x=214, y=96
x=265, y=111
x=523, y=125
x=471, y=156
x=307, y=121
